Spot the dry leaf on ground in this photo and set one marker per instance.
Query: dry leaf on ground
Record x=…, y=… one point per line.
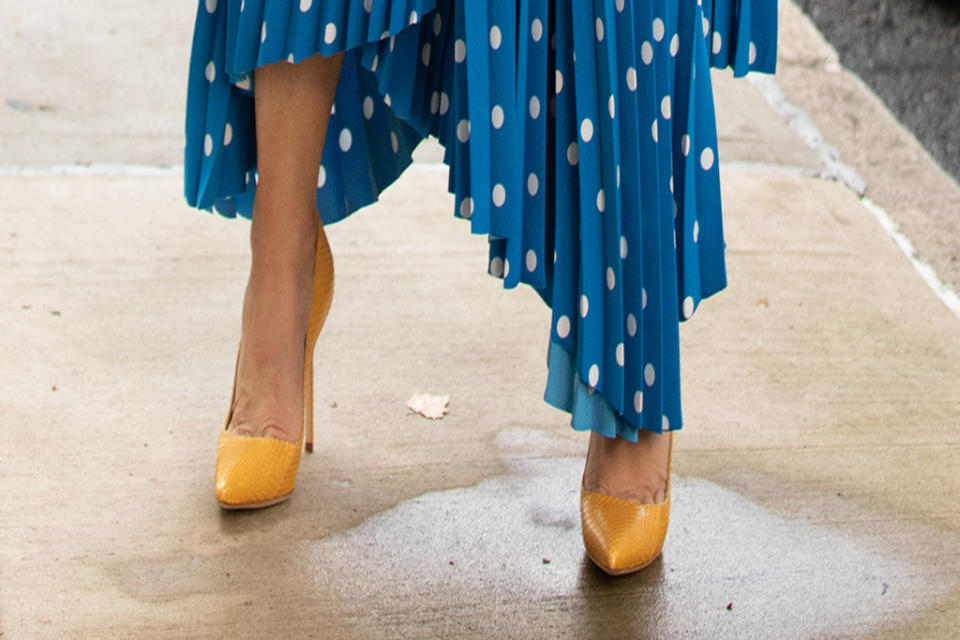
x=433, y=407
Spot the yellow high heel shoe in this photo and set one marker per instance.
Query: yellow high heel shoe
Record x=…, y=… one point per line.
x=255, y=472
x=622, y=536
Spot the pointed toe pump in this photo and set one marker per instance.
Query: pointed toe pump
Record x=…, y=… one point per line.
x=256, y=471
x=622, y=536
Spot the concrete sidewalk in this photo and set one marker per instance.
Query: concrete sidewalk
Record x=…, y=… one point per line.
x=816, y=479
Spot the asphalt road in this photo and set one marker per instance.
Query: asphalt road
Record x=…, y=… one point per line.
x=908, y=51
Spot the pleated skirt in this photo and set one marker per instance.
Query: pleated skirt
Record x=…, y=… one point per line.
x=580, y=138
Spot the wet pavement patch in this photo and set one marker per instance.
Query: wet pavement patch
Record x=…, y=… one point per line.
x=731, y=568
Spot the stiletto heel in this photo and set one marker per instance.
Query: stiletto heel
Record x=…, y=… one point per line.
x=256, y=471
x=622, y=536
x=308, y=406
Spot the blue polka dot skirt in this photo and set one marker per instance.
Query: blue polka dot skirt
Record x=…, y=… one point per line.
x=580, y=137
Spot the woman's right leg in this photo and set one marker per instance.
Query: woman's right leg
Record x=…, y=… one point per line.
x=293, y=104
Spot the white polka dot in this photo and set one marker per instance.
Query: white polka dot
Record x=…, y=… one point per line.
x=599, y=28
x=586, y=130
x=394, y=142
x=631, y=325
x=496, y=116
x=658, y=29
x=601, y=201
x=643, y=298
x=632, y=79
x=263, y=32
x=649, y=375
x=593, y=375
x=414, y=17
x=346, y=140
x=687, y=307
x=393, y=40
x=368, y=107
x=638, y=402
x=612, y=106
x=753, y=53
x=244, y=82
x=559, y=82
x=463, y=130
x=437, y=24
x=321, y=177
x=623, y=247
x=584, y=306
x=533, y=184
x=367, y=5
x=666, y=423
x=211, y=71
x=665, y=107
x=496, y=267
x=499, y=195
x=459, y=50
x=655, y=131
x=376, y=61
x=506, y=268
x=425, y=55
x=706, y=26
x=717, y=42
x=674, y=44
x=563, y=326
x=305, y=5
x=496, y=37
x=434, y=102
x=207, y=145
x=619, y=354
x=706, y=159
x=534, y=107
x=611, y=279
x=685, y=144
x=531, y=260
x=386, y=99
x=466, y=208
x=211, y=6
x=290, y=58
x=573, y=154
x=618, y=176
x=619, y=5
x=227, y=134
x=536, y=29
x=444, y=102
x=671, y=184
x=696, y=230
x=646, y=52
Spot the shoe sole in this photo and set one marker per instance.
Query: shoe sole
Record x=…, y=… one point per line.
x=622, y=572
x=237, y=506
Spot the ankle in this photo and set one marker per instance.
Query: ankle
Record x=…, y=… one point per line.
x=635, y=471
